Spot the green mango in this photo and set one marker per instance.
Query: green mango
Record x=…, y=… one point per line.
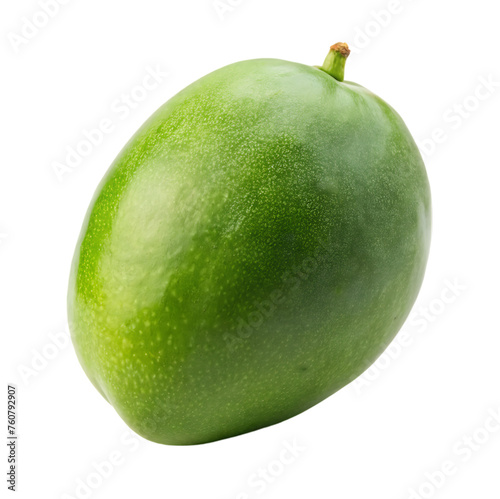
x=254, y=248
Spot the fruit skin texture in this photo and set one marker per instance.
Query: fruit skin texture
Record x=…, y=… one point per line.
x=253, y=248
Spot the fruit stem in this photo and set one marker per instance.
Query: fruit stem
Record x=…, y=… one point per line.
x=335, y=61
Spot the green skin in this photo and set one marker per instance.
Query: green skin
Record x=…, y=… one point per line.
x=254, y=248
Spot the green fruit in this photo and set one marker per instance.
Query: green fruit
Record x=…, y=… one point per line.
x=254, y=248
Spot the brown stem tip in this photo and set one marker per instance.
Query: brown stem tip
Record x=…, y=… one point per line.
x=342, y=48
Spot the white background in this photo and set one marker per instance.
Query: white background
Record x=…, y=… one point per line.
x=380, y=437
